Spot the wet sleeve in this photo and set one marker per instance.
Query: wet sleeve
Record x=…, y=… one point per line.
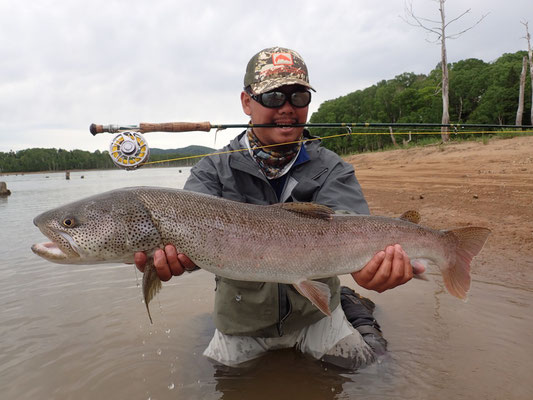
x=204, y=178
x=341, y=190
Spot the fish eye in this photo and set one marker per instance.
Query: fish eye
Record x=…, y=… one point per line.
x=68, y=222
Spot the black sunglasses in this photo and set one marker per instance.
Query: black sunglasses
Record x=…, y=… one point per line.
x=276, y=99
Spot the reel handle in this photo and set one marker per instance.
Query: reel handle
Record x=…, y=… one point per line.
x=175, y=127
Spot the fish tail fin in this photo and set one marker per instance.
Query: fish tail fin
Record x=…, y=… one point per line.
x=151, y=285
x=469, y=242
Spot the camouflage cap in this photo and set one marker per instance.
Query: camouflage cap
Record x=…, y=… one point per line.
x=275, y=67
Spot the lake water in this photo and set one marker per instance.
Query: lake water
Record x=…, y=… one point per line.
x=82, y=332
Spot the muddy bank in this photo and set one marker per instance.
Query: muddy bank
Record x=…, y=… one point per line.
x=460, y=184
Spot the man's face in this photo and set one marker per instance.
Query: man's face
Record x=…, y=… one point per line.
x=286, y=114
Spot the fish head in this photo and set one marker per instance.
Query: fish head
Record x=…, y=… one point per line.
x=100, y=229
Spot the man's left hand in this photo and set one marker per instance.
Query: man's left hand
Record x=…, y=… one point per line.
x=386, y=270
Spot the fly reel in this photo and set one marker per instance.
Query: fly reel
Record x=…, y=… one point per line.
x=129, y=150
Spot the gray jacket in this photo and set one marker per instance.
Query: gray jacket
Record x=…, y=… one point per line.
x=270, y=309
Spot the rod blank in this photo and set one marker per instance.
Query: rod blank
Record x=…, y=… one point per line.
x=206, y=126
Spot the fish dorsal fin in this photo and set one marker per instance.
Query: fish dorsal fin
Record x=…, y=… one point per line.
x=312, y=210
x=411, y=216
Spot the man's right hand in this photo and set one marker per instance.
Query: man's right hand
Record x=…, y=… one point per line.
x=167, y=263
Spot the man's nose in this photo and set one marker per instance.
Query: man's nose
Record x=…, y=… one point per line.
x=286, y=108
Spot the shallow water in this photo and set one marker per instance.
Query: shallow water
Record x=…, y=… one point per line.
x=81, y=332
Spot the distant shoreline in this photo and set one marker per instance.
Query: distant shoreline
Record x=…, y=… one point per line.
x=53, y=172
x=78, y=170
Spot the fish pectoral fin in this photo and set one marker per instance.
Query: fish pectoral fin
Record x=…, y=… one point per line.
x=151, y=284
x=318, y=293
x=312, y=210
x=411, y=216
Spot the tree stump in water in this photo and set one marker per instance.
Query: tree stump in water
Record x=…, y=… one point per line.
x=4, y=191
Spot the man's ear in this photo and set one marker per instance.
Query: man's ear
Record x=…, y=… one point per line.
x=245, y=102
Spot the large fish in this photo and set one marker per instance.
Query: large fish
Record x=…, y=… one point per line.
x=292, y=243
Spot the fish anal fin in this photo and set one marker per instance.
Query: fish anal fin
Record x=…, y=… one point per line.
x=318, y=293
x=469, y=242
x=312, y=210
x=151, y=284
x=411, y=216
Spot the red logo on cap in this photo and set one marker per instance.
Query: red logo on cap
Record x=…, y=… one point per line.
x=282, y=59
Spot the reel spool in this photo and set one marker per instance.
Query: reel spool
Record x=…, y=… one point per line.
x=129, y=150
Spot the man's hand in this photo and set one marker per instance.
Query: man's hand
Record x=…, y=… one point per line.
x=167, y=263
x=386, y=270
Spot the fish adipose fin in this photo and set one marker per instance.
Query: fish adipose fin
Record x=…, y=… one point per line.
x=151, y=284
x=470, y=241
x=312, y=210
x=318, y=293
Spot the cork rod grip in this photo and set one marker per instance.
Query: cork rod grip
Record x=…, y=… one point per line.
x=175, y=127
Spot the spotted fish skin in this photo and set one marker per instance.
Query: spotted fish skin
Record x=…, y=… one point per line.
x=292, y=243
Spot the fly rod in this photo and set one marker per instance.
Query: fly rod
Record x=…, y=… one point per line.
x=129, y=149
x=145, y=127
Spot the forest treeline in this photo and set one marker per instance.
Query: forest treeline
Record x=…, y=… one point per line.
x=480, y=93
x=40, y=159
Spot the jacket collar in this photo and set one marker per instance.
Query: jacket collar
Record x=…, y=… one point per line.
x=242, y=160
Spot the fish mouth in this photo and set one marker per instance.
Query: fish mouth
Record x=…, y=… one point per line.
x=49, y=250
x=52, y=251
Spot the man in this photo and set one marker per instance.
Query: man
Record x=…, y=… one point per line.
x=253, y=317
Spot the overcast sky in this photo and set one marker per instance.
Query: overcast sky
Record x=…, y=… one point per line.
x=65, y=64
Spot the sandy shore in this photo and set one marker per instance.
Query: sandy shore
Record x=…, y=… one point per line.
x=460, y=184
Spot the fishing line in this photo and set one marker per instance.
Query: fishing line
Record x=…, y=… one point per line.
x=320, y=138
x=129, y=149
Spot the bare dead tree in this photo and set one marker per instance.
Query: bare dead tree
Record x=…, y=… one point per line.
x=530, y=55
x=521, y=92
x=438, y=29
x=404, y=142
x=392, y=137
